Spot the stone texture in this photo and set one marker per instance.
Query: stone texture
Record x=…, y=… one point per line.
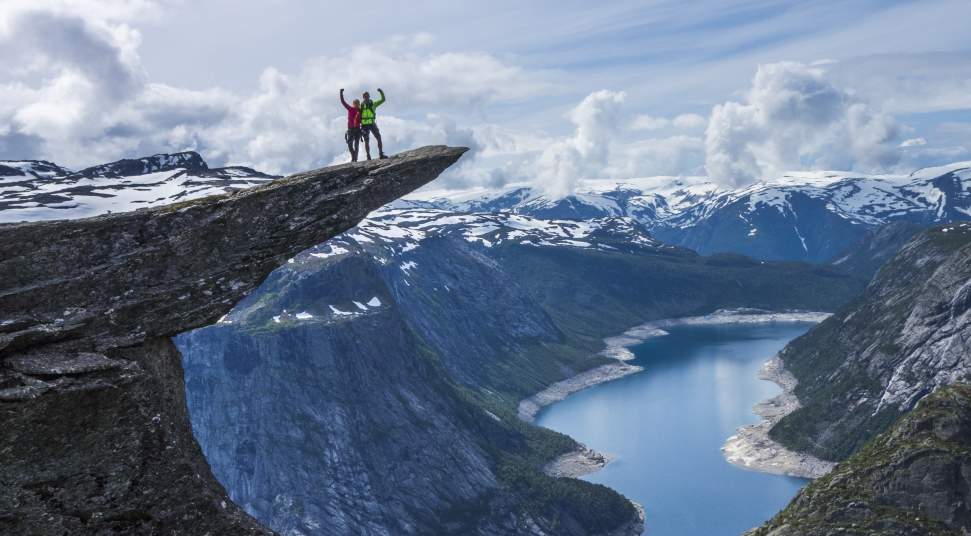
x=96, y=434
x=865, y=366
x=915, y=479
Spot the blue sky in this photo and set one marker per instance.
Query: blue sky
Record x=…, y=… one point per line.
x=544, y=91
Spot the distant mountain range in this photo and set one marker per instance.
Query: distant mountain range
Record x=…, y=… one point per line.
x=805, y=216
x=390, y=360
x=35, y=190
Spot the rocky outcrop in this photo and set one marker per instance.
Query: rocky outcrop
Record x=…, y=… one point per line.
x=96, y=435
x=914, y=479
x=865, y=366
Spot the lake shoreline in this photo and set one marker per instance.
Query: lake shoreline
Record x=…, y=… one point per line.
x=585, y=461
x=752, y=448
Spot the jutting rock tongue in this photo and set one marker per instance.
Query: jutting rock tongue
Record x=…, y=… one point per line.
x=96, y=435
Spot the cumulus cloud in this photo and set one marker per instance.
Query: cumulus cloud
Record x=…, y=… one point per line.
x=679, y=122
x=73, y=89
x=793, y=117
x=585, y=154
x=913, y=142
x=649, y=122
x=689, y=122
x=673, y=155
x=62, y=75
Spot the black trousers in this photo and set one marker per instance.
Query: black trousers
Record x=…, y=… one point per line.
x=366, y=131
x=353, y=139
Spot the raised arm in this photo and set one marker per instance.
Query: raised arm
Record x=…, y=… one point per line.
x=344, y=102
x=380, y=101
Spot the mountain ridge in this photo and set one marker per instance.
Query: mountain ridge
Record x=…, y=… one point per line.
x=809, y=216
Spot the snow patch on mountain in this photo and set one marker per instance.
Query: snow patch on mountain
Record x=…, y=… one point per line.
x=38, y=190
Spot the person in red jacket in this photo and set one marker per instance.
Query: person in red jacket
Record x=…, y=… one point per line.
x=353, y=134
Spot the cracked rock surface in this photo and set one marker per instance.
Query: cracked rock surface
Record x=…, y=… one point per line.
x=96, y=434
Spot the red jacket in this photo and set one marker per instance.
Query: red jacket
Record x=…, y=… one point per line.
x=353, y=114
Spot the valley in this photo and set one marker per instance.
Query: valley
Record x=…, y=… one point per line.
x=664, y=426
x=374, y=381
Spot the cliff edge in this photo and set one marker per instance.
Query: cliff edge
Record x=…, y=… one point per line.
x=92, y=403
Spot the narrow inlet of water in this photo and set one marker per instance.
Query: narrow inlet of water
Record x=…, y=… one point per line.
x=666, y=426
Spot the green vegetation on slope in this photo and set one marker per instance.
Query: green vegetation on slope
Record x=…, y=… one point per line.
x=914, y=479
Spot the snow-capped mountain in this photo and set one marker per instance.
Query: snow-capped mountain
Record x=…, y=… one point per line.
x=807, y=216
x=392, y=231
x=810, y=216
x=34, y=190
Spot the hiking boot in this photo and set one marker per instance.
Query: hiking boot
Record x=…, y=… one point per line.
x=383, y=156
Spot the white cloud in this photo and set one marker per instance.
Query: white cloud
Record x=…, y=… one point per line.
x=63, y=75
x=74, y=90
x=586, y=153
x=674, y=155
x=649, y=122
x=913, y=142
x=685, y=122
x=793, y=117
x=689, y=122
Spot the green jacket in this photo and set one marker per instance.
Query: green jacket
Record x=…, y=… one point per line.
x=368, y=108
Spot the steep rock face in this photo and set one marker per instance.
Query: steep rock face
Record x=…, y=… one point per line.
x=501, y=305
x=359, y=427
x=96, y=434
x=907, y=335
x=354, y=431
x=123, y=278
x=914, y=479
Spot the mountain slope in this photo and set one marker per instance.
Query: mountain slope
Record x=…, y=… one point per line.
x=505, y=305
x=877, y=246
x=862, y=368
x=357, y=400
x=914, y=479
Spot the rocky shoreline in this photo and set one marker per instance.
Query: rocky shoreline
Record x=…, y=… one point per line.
x=578, y=463
x=752, y=448
x=618, y=348
x=529, y=407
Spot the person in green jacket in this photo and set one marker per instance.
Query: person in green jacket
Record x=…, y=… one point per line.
x=368, y=125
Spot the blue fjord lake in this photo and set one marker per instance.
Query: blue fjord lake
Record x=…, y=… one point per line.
x=666, y=426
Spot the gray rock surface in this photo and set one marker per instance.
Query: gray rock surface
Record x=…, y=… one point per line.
x=914, y=479
x=865, y=366
x=96, y=433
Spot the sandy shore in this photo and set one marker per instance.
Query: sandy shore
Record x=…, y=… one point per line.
x=752, y=448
